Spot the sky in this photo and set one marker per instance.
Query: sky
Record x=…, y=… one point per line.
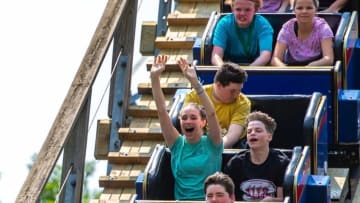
x=42, y=44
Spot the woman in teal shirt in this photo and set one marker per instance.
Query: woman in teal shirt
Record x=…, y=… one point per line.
x=194, y=156
x=243, y=36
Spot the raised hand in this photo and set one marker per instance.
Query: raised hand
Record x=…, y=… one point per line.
x=158, y=65
x=188, y=71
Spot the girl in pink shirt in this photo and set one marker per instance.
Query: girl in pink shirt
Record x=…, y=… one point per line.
x=304, y=40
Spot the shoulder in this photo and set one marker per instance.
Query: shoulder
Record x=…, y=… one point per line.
x=279, y=156
x=323, y=28
x=243, y=100
x=290, y=23
x=240, y=156
x=227, y=19
x=262, y=23
x=319, y=21
x=322, y=23
x=177, y=144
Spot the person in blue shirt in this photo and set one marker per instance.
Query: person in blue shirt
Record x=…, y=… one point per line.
x=243, y=36
x=194, y=155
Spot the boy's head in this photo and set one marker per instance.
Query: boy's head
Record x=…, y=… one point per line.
x=230, y=73
x=260, y=129
x=229, y=81
x=219, y=188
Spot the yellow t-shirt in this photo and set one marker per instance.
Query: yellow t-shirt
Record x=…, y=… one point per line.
x=232, y=113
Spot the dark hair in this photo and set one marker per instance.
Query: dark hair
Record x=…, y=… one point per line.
x=315, y=2
x=230, y=72
x=200, y=108
x=222, y=179
x=269, y=122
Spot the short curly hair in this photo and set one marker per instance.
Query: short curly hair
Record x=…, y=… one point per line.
x=268, y=121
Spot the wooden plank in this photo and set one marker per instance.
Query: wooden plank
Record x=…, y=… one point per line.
x=75, y=99
x=185, y=31
x=148, y=35
x=187, y=19
x=122, y=176
x=339, y=183
x=175, y=43
x=137, y=122
x=201, y=9
x=141, y=134
x=120, y=195
x=174, y=56
x=133, y=152
x=169, y=82
x=146, y=106
x=102, y=139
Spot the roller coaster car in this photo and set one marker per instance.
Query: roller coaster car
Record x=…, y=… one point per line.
x=300, y=118
x=337, y=21
x=157, y=182
x=300, y=123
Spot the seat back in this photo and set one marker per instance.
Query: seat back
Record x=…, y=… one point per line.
x=289, y=112
x=158, y=179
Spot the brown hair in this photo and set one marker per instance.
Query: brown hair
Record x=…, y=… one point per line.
x=269, y=122
x=315, y=2
x=222, y=179
x=230, y=72
x=198, y=107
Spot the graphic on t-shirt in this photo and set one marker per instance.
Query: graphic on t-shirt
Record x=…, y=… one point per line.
x=257, y=189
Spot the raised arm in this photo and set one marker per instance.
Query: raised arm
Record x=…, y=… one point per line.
x=169, y=132
x=213, y=123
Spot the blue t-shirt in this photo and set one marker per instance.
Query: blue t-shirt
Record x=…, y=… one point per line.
x=191, y=164
x=243, y=45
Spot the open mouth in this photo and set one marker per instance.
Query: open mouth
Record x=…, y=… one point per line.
x=253, y=139
x=189, y=129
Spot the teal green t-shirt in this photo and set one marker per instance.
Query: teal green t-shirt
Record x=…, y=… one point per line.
x=243, y=45
x=191, y=164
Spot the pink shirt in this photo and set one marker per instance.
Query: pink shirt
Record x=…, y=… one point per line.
x=270, y=6
x=308, y=49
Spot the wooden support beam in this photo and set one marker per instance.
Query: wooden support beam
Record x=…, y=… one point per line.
x=148, y=34
x=102, y=139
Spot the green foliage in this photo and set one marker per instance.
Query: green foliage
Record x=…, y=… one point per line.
x=52, y=187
